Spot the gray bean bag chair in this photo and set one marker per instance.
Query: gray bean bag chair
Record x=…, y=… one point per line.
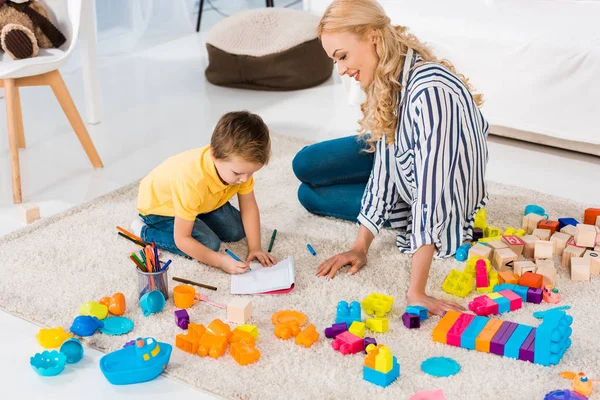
x=267, y=49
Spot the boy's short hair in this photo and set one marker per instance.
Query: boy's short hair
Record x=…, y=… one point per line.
x=241, y=134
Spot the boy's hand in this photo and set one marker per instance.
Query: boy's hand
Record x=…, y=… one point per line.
x=263, y=257
x=232, y=266
x=435, y=306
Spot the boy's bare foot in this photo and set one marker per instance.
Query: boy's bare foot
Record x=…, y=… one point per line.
x=435, y=306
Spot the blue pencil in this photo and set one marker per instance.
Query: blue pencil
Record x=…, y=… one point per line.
x=312, y=251
x=232, y=255
x=165, y=265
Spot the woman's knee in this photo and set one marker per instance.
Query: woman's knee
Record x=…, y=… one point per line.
x=301, y=164
x=307, y=197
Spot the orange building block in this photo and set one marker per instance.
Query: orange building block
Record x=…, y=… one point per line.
x=372, y=356
x=189, y=341
x=212, y=345
x=590, y=216
x=308, y=336
x=287, y=330
x=547, y=224
x=508, y=277
x=243, y=353
x=440, y=332
x=239, y=335
x=531, y=280
x=219, y=328
x=482, y=342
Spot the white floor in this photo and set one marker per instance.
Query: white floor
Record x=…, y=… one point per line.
x=157, y=103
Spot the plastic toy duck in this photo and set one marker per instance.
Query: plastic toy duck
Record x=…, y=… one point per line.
x=581, y=383
x=551, y=295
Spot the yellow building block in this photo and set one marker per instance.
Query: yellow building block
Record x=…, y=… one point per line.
x=480, y=219
x=358, y=329
x=377, y=304
x=384, y=360
x=440, y=332
x=458, y=283
x=494, y=295
x=497, y=238
x=377, y=324
x=253, y=330
x=491, y=231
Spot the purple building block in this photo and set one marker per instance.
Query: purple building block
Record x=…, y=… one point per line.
x=369, y=340
x=182, y=318
x=411, y=321
x=526, y=352
x=534, y=295
x=501, y=337
x=335, y=330
x=477, y=234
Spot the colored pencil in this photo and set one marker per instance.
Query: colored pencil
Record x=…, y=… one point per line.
x=312, y=251
x=232, y=255
x=142, y=244
x=137, y=259
x=194, y=283
x=166, y=265
x=140, y=267
x=131, y=235
x=272, y=240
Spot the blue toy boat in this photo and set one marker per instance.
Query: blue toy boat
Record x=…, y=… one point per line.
x=142, y=362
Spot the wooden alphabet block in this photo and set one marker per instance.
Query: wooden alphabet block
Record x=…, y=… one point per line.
x=543, y=249
x=239, y=310
x=586, y=235
x=520, y=267
x=580, y=269
x=598, y=221
x=545, y=267
x=529, y=248
x=569, y=230
x=569, y=253
x=502, y=257
x=532, y=222
x=542, y=234
x=480, y=250
x=515, y=243
x=560, y=242
x=594, y=257
x=496, y=245
x=30, y=212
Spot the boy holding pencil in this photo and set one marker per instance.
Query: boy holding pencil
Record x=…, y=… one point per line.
x=184, y=202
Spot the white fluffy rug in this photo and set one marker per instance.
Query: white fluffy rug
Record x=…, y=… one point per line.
x=53, y=266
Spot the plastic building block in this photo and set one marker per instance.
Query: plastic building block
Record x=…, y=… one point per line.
x=335, y=330
x=52, y=337
x=440, y=332
x=499, y=340
x=348, y=313
x=429, y=395
x=521, y=291
x=590, y=216
x=287, y=330
x=531, y=280
x=422, y=312
x=253, y=330
x=440, y=367
x=515, y=300
x=493, y=281
x=239, y=335
x=455, y=332
x=462, y=253
x=357, y=328
x=347, y=343
x=586, y=235
x=379, y=378
x=483, y=305
x=503, y=304
x=383, y=360
x=508, y=277
x=380, y=325
x=287, y=323
x=243, y=353
x=377, y=304
x=552, y=338
x=494, y=295
x=479, y=250
x=372, y=351
x=219, y=328
x=212, y=345
x=480, y=219
x=477, y=234
x=526, y=352
x=189, y=342
x=30, y=212
x=482, y=341
x=411, y=321
x=481, y=275
x=512, y=346
x=458, y=283
x=562, y=222
x=48, y=363
x=534, y=295
x=471, y=264
x=369, y=341
x=239, y=310
x=467, y=340
x=552, y=226
x=182, y=318
x=307, y=336
x=491, y=231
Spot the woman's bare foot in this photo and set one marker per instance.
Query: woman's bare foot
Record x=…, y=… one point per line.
x=435, y=306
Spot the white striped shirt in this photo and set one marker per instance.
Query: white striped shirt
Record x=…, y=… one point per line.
x=431, y=181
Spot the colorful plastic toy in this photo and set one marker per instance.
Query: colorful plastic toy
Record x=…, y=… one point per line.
x=581, y=383
x=564, y=395
x=287, y=323
x=380, y=367
x=182, y=318
x=212, y=345
x=357, y=328
x=52, y=338
x=348, y=313
x=219, y=328
x=541, y=314
x=307, y=336
x=287, y=330
x=253, y=330
x=73, y=350
x=462, y=253
x=543, y=345
x=243, y=353
x=531, y=280
x=440, y=366
x=335, y=330
x=422, y=312
x=550, y=295
x=84, y=325
x=347, y=343
x=429, y=395
x=152, y=302
x=189, y=342
x=380, y=325
x=134, y=364
x=94, y=309
x=115, y=326
x=117, y=304
x=377, y=304
x=411, y=321
x=48, y=363
x=105, y=301
x=242, y=336
x=458, y=283
x=369, y=341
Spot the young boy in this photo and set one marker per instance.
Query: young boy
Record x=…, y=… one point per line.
x=184, y=202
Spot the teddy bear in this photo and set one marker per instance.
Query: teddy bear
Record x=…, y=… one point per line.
x=25, y=28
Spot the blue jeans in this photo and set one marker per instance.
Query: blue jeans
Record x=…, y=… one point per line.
x=223, y=224
x=334, y=174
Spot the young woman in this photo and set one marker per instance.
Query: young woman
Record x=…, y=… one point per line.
x=418, y=164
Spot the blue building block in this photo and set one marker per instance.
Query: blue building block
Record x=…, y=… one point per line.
x=348, y=314
x=379, y=378
x=562, y=222
x=552, y=338
x=422, y=312
x=513, y=345
x=504, y=286
x=467, y=340
x=503, y=304
x=521, y=291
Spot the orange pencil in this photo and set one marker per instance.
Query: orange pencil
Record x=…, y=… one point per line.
x=131, y=235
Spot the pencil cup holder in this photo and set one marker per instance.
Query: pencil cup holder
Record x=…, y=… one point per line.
x=149, y=281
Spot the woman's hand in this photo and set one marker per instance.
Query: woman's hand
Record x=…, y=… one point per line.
x=356, y=258
x=435, y=306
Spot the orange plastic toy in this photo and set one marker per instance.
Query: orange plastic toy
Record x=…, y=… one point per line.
x=243, y=353
x=239, y=335
x=508, y=277
x=212, y=345
x=287, y=323
x=117, y=304
x=219, y=328
x=581, y=383
x=531, y=280
x=372, y=353
x=308, y=336
x=105, y=301
x=189, y=341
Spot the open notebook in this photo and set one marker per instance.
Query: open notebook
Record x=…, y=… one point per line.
x=265, y=280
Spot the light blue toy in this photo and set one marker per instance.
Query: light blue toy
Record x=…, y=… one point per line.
x=141, y=362
x=440, y=366
x=84, y=325
x=152, y=302
x=462, y=253
x=382, y=379
x=348, y=314
x=117, y=326
x=73, y=350
x=48, y=363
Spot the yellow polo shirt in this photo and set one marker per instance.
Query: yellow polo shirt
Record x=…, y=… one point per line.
x=185, y=186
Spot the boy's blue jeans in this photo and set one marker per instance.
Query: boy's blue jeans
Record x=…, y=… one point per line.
x=223, y=224
x=334, y=174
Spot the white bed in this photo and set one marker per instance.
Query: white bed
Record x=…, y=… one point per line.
x=537, y=62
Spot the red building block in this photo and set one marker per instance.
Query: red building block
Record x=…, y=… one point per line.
x=552, y=225
x=590, y=215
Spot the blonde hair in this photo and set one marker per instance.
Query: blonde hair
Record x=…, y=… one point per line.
x=379, y=109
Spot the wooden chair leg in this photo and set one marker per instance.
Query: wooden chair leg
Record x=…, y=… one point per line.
x=19, y=117
x=66, y=102
x=11, y=94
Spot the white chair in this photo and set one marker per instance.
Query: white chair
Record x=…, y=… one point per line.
x=43, y=71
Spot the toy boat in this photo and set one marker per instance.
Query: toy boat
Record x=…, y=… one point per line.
x=135, y=364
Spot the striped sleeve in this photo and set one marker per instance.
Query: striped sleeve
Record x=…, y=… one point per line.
x=380, y=194
x=437, y=125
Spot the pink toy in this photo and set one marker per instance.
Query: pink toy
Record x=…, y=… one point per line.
x=481, y=276
x=516, y=301
x=483, y=305
x=551, y=295
x=429, y=395
x=347, y=343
